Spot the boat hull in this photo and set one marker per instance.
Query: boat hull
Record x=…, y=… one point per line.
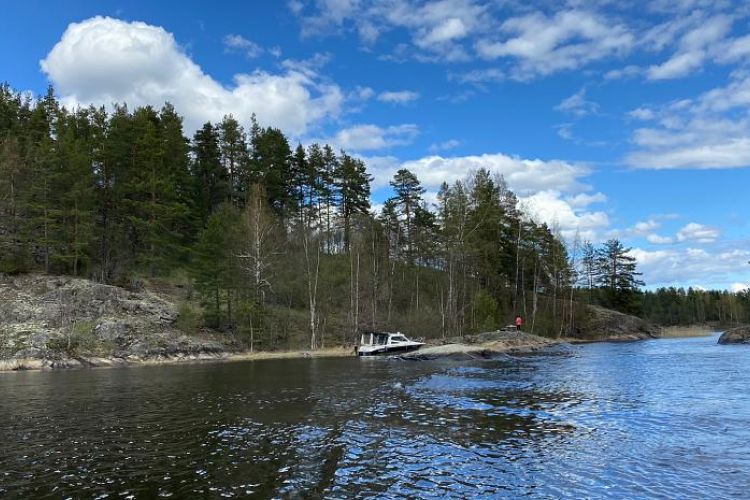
x=387, y=350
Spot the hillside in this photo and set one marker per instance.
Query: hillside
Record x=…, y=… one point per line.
x=53, y=322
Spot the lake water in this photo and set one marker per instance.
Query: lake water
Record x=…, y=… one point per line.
x=657, y=419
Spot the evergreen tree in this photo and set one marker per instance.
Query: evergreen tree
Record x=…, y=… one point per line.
x=408, y=197
x=353, y=184
x=211, y=178
x=270, y=161
x=234, y=158
x=618, y=276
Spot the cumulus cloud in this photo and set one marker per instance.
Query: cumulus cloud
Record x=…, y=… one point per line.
x=398, y=97
x=370, y=137
x=523, y=175
x=550, y=191
x=104, y=60
x=691, y=266
x=551, y=207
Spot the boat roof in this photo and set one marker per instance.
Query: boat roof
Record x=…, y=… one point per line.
x=373, y=332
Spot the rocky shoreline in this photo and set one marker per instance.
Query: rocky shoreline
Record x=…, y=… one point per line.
x=483, y=346
x=60, y=322
x=53, y=322
x=738, y=335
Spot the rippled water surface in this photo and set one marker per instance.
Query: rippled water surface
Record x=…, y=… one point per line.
x=665, y=418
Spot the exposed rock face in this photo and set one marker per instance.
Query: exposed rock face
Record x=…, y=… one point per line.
x=483, y=345
x=739, y=335
x=606, y=324
x=68, y=321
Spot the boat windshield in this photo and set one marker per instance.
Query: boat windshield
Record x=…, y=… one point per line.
x=399, y=338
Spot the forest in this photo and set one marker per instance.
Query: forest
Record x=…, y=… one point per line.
x=278, y=245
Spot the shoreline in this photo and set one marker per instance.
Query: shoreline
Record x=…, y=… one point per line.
x=678, y=332
x=471, y=347
x=37, y=364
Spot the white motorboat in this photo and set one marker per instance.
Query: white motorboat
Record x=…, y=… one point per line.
x=377, y=343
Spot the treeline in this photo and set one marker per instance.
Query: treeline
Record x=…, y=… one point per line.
x=607, y=276
x=677, y=306
x=276, y=245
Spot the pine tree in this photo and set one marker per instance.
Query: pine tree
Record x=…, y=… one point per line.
x=353, y=184
x=14, y=255
x=618, y=276
x=211, y=178
x=408, y=197
x=270, y=164
x=234, y=158
x=76, y=199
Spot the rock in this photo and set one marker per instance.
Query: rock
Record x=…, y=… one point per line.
x=112, y=331
x=605, y=324
x=49, y=322
x=739, y=335
x=482, y=346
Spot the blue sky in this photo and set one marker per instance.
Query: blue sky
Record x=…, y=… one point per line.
x=609, y=119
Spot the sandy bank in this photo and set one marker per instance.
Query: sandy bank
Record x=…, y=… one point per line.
x=686, y=331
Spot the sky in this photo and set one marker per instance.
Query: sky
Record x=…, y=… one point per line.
x=610, y=119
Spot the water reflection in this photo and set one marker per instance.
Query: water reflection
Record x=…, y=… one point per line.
x=654, y=419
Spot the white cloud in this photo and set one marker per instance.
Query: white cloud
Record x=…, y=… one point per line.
x=437, y=28
x=363, y=93
x=568, y=40
x=690, y=266
x=444, y=146
x=368, y=137
x=446, y=31
x=103, y=60
x=398, y=97
x=524, y=176
x=695, y=47
x=628, y=71
x=550, y=191
x=711, y=131
x=583, y=200
x=479, y=76
x=642, y=113
x=698, y=233
x=642, y=229
x=739, y=287
x=577, y=104
x=242, y=44
x=549, y=206
x=659, y=240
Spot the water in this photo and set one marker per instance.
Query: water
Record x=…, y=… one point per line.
x=656, y=419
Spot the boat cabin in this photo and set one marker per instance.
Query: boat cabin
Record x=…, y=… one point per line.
x=373, y=343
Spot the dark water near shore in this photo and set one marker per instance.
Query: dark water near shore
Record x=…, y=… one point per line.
x=657, y=419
